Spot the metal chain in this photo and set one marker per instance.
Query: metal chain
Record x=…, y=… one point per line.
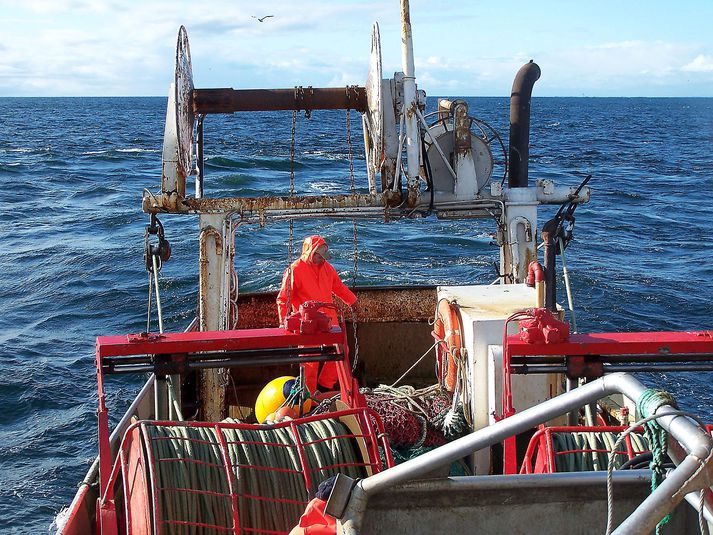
x=233, y=278
x=349, y=146
x=290, y=253
x=356, y=245
x=232, y=320
x=353, y=190
x=292, y=153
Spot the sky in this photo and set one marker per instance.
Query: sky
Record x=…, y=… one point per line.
x=466, y=48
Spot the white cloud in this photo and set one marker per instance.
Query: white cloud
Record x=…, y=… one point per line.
x=99, y=47
x=627, y=68
x=702, y=63
x=106, y=47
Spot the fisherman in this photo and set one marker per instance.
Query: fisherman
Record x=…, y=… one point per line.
x=312, y=278
x=315, y=521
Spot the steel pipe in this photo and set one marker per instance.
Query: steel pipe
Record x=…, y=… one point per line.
x=639, y=358
x=288, y=351
x=486, y=437
x=261, y=205
x=410, y=106
x=520, y=97
x=224, y=363
x=661, y=502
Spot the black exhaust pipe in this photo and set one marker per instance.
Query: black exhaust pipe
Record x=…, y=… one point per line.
x=520, y=124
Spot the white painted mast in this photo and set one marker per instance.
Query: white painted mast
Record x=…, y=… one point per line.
x=410, y=105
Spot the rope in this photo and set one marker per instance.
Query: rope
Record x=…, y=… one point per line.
x=406, y=396
x=352, y=181
x=412, y=418
x=148, y=312
x=174, y=403
x=414, y=364
x=610, y=467
x=702, y=525
x=233, y=287
x=648, y=404
x=159, y=310
x=266, y=471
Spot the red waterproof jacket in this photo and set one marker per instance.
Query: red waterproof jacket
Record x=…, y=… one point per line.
x=311, y=282
x=315, y=521
x=307, y=281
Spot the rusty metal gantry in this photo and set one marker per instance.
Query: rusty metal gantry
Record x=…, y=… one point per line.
x=226, y=101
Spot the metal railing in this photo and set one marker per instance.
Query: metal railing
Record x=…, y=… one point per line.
x=350, y=500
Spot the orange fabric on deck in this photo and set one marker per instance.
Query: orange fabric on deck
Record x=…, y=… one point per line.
x=307, y=281
x=314, y=521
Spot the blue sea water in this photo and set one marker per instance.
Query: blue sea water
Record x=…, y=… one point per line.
x=72, y=171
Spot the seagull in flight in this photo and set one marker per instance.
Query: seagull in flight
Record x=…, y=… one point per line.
x=262, y=19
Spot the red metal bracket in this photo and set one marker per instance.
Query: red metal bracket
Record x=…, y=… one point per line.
x=666, y=343
x=195, y=342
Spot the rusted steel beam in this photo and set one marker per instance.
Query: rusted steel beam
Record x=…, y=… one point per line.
x=261, y=205
x=228, y=100
x=462, y=128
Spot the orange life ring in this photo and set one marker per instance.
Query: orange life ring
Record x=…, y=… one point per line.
x=448, y=329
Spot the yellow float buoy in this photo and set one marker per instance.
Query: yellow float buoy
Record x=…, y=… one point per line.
x=273, y=396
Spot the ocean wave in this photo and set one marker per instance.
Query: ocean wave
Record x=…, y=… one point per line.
x=73, y=244
x=18, y=150
x=272, y=164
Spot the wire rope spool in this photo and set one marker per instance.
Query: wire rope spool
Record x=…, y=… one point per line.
x=583, y=451
x=178, y=138
x=185, y=117
x=373, y=119
x=442, y=135
x=448, y=330
x=229, y=477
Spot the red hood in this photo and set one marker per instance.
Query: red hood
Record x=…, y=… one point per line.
x=310, y=245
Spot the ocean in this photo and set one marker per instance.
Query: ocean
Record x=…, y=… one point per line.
x=73, y=169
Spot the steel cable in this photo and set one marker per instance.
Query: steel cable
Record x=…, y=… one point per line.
x=587, y=451
x=191, y=482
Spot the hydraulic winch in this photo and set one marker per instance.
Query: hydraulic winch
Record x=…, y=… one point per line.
x=309, y=319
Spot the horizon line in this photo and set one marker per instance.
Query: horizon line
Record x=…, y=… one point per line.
x=427, y=96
